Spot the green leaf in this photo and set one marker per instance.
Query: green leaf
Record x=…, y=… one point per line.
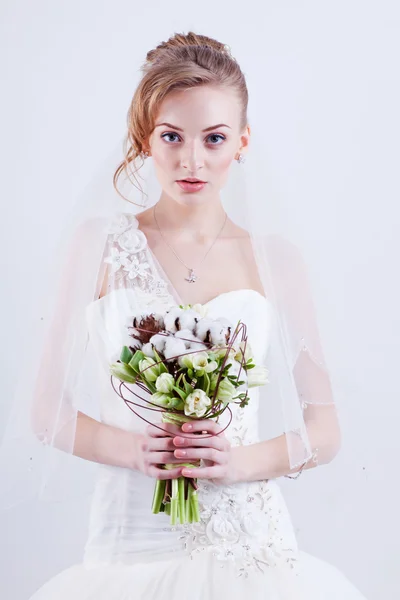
x=177, y=404
x=161, y=365
x=134, y=362
x=206, y=383
x=249, y=366
x=188, y=387
x=150, y=385
x=180, y=392
x=126, y=355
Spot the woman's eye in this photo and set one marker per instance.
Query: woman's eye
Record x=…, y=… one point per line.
x=216, y=138
x=169, y=134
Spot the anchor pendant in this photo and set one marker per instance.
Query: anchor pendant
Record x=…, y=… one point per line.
x=192, y=277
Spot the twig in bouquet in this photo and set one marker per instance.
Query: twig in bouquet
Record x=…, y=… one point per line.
x=130, y=403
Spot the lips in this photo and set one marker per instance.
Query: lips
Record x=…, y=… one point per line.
x=192, y=180
x=191, y=186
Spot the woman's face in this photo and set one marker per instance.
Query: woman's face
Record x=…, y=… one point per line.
x=197, y=135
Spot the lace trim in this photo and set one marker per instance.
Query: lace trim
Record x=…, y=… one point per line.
x=241, y=524
x=131, y=261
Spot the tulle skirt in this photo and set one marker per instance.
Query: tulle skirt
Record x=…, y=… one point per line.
x=199, y=578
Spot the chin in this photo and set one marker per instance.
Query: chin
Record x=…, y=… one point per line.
x=190, y=199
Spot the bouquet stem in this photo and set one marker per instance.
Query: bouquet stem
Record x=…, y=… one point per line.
x=177, y=498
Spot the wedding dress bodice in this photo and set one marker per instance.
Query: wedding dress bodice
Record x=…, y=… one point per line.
x=245, y=522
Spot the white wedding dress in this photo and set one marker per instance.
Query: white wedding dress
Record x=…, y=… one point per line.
x=244, y=545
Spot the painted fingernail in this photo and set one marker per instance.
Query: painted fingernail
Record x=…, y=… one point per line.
x=179, y=440
x=187, y=427
x=180, y=453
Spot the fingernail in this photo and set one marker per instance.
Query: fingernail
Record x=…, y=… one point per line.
x=179, y=440
x=180, y=453
x=187, y=427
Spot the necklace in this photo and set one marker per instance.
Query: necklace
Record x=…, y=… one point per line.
x=192, y=275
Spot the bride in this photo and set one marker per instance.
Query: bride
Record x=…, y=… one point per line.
x=188, y=120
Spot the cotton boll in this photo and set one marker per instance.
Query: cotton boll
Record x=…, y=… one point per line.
x=173, y=347
x=160, y=320
x=147, y=350
x=188, y=319
x=171, y=319
x=187, y=334
x=227, y=324
x=197, y=344
x=219, y=333
x=132, y=342
x=159, y=341
x=202, y=329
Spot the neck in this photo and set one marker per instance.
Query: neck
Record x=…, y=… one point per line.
x=191, y=222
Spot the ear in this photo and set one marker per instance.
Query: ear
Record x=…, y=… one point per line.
x=244, y=140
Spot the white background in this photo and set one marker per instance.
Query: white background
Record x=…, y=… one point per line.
x=325, y=77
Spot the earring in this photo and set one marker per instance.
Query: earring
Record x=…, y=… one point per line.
x=241, y=159
x=145, y=155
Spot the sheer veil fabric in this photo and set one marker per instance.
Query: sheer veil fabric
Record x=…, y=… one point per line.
x=59, y=378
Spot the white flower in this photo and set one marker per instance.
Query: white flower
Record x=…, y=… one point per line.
x=221, y=529
x=201, y=309
x=117, y=259
x=196, y=403
x=200, y=360
x=150, y=369
x=248, y=354
x=211, y=366
x=161, y=399
x=226, y=390
x=165, y=382
x=132, y=240
x=221, y=352
x=186, y=361
x=136, y=268
x=174, y=347
x=119, y=225
x=257, y=376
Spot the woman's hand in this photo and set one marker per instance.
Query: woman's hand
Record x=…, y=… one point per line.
x=155, y=448
x=219, y=458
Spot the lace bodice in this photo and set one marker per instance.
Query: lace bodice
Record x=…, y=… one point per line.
x=246, y=523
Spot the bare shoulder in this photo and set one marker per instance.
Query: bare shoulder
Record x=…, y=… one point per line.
x=146, y=219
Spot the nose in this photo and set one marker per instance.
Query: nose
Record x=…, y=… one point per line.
x=192, y=158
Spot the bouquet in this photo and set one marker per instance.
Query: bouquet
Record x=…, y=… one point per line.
x=188, y=367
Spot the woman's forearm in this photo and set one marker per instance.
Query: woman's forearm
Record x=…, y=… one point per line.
x=105, y=444
x=270, y=459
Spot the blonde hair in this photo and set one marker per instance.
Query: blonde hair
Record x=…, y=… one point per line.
x=184, y=61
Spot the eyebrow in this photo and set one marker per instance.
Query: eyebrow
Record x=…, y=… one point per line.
x=204, y=130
